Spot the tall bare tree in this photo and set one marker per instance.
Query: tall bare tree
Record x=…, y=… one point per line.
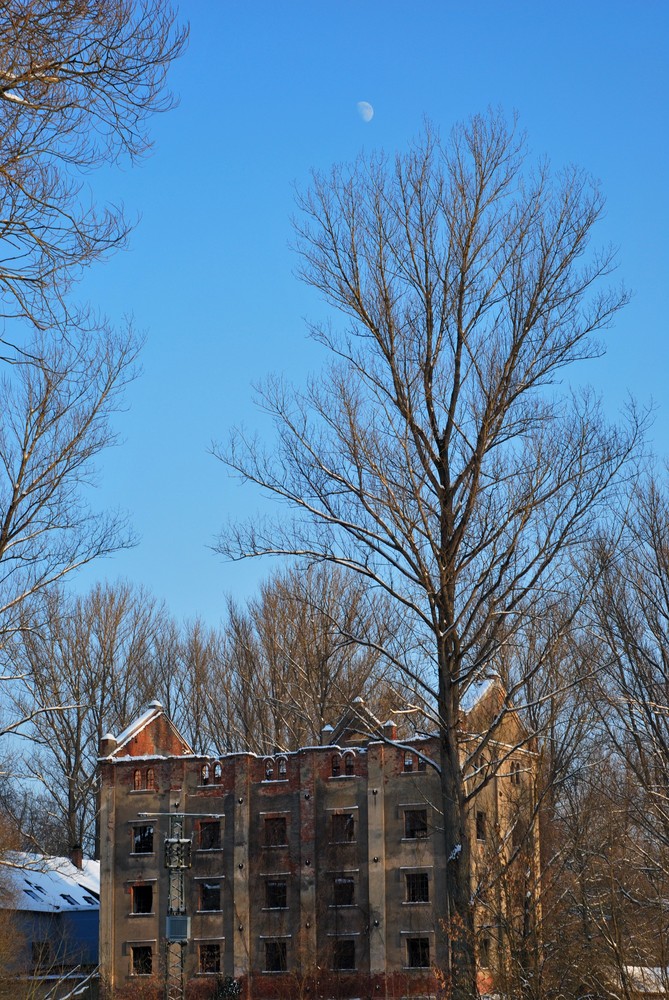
x=436, y=456
x=78, y=82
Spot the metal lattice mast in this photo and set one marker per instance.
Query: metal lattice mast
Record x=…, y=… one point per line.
x=177, y=860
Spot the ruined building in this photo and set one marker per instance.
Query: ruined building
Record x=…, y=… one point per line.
x=316, y=873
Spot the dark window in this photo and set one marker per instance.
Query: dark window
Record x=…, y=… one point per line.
x=142, y=839
x=343, y=828
x=68, y=899
x=210, y=895
x=415, y=823
x=210, y=835
x=422, y=764
x=344, y=954
x=515, y=772
x=210, y=958
x=150, y=778
x=276, y=894
x=41, y=955
x=142, y=899
x=344, y=891
x=137, y=780
x=276, y=959
x=349, y=764
x=418, y=889
x=282, y=767
x=336, y=765
x=269, y=769
x=418, y=953
x=275, y=832
x=142, y=960
x=408, y=761
x=484, y=953
x=480, y=825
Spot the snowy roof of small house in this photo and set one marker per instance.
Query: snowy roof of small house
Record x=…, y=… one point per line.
x=53, y=885
x=648, y=979
x=478, y=689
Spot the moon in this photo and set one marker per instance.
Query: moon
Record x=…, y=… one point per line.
x=365, y=110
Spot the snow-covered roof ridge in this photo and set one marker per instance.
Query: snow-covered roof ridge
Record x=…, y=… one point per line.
x=478, y=688
x=42, y=883
x=153, y=711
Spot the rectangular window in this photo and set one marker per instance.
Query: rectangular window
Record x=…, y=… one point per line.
x=210, y=835
x=344, y=954
x=415, y=823
x=142, y=839
x=417, y=887
x=210, y=959
x=480, y=825
x=276, y=957
x=142, y=899
x=484, y=953
x=142, y=960
x=418, y=952
x=344, y=891
x=210, y=895
x=276, y=834
x=276, y=894
x=343, y=828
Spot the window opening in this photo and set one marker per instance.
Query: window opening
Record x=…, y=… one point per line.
x=276, y=832
x=418, y=953
x=218, y=773
x=336, y=765
x=417, y=887
x=142, y=839
x=204, y=778
x=282, y=767
x=343, y=828
x=150, y=778
x=422, y=764
x=137, y=780
x=415, y=824
x=276, y=958
x=276, y=894
x=349, y=764
x=484, y=953
x=408, y=761
x=210, y=959
x=210, y=895
x=142, y=899
x=269, y=769
x=344, y=891
x=142, y=960
x=344, y=954
x=480, y=825
x=210, y=835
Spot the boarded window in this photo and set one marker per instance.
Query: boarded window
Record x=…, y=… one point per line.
x=276, y=831
x=276, y=958
x=344, y=891
x=415, y=823
x=142, y=960
x=142, y=899
x=276, y=894
x=142, y=839
x=417, y=887
x=210, y=959
x=343, y=828
x=344, y=954
x=418, y=952
x=210, y=895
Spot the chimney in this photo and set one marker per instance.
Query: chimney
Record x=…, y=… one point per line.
x=107, y=745
x=77, y=856
x=390, y=730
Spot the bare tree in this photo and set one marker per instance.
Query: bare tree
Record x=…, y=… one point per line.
x=299, y=655
x=93, y=657
x=78, y=82
x=436, y=457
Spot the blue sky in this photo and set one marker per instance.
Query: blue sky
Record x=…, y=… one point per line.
x=269, y=90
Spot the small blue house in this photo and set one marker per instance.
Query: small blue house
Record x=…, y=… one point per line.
x=56, y=907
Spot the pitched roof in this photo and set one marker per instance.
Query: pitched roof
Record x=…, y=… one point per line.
x=37, y=882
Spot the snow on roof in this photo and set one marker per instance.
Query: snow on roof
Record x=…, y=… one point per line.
x=476, y=691
x=47, y=884
x=647, y=979
x=154, y=710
